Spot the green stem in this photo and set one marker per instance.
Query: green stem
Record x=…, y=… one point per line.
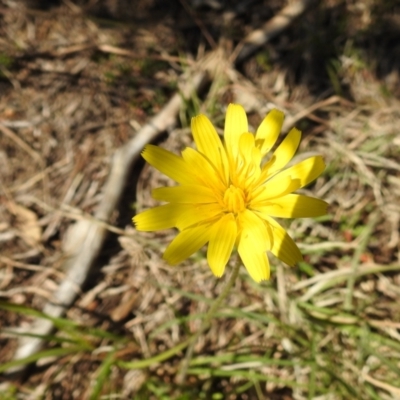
x=206, y=323
x=190, y=342
x=156, y=359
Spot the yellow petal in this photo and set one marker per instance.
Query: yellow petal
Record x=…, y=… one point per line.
x=285, y=152
x=167, y=163
x=222, y=238
x=269, y=129
x=271, y=190
x=235, y=126
x=197, y=213
x=246, y=146
x=303, y=173
x=209, y=144
x=186, y=243
x=294, y=206
x=249, y=160
x=257, y=264
x=202, y=170
x=254, y=231
x=283, y=245
x=158, y=218
x=185, y=194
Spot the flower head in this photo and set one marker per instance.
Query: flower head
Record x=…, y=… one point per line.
x=227, y=196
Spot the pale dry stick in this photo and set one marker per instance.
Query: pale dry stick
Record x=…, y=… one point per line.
x=45, y=294
x=314, y=247
x=29, y=267
x=324, y=281
x=85, y=238
x=18, y=124
x=19, y=187
x=395, y=391
x=19, y=142
x=271, y=29
x=381, y=324
x=106, y=48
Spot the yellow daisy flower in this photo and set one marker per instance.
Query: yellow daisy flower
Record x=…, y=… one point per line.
x=227, y=196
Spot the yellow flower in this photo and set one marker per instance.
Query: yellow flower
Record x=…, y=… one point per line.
x=227, y=196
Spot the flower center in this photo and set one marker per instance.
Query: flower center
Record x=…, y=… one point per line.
x=234, y=199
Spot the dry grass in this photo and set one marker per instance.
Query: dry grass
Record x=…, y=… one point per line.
x=327, y=329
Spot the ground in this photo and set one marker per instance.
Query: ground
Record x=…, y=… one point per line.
x=78, y=80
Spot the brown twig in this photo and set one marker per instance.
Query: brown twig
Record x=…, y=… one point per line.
x=271, y=29
x=106, y=48
x=85, y=239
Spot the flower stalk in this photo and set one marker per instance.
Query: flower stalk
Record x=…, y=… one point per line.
x=206, y=323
